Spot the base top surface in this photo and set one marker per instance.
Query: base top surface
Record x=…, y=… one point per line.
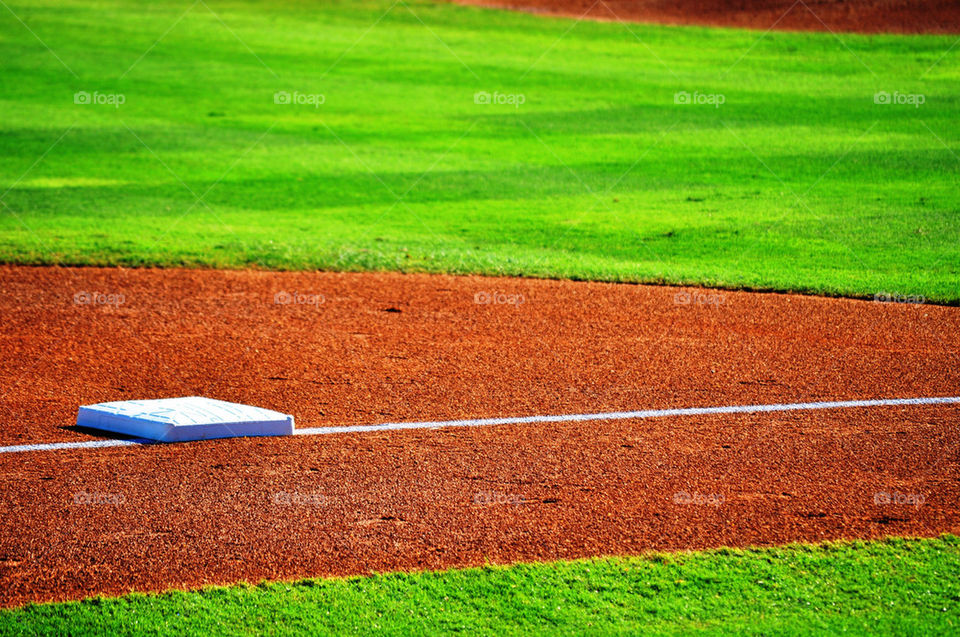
x=185, y=418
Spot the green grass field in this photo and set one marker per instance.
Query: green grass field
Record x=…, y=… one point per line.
x=798, y=181
x=895, y=587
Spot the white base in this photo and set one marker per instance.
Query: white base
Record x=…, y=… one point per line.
x=182, y=419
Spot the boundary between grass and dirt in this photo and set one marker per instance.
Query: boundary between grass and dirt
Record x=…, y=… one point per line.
x=850, y=16
x=894, y=585
x=883, y=296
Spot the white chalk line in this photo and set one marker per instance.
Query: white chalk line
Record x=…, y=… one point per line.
x=56, y=446
x=525, y=420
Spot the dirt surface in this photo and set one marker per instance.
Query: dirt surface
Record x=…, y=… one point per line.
x=864, y=16
x=369, y=348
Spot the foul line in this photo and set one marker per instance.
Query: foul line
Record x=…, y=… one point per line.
x=55, y=446
x=524, y=420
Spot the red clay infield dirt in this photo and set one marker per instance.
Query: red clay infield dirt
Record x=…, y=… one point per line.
x=371, y=348
x=864, y=16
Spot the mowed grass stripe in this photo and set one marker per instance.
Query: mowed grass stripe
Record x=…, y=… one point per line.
x=896, y=586
x=798, y=181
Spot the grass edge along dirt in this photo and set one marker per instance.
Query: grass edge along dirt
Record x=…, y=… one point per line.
x=890, y=586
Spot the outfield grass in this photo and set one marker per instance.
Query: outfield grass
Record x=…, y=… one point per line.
x=798, y=181
x=889, y=587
